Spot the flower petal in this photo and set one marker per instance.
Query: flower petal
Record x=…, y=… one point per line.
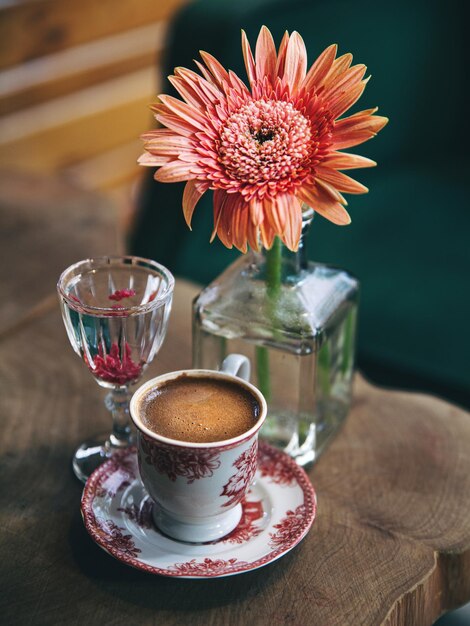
x=339, y=66
x=176, y=124
x=293, y=224
x=187, y=92
x=319, y=70
x=253, y=237
x=156, y=132
x=219, y=200
x=267, y=234
x=296, y=62
x=224, y=206
x=208, y=76
x=275, y=212
x=217, y=70
x=171, y=145
x=345, y=81
x=256, y=211
x=265, y=55
x=240, y=219
x=281, y=56
x=243, y=230
x=175, y=172
x=248, y=58
x=152, y=160
x=356, y=129
x=345, y=161
x=237, y=84
x=191, y=197
x=205, y=89
x=282, y=216
x=232, y=223
x=323, y=201
x=340, y=181
x=347, y=99
x=186, y=112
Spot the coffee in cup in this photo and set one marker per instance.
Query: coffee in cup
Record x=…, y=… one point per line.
x=200, y=409
x=197, y=438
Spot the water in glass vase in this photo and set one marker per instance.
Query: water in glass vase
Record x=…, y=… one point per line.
x=300, y=339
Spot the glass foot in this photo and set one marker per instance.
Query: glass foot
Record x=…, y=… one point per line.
x=91, y=454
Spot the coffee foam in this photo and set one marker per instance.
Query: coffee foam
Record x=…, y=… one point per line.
x=199, y=409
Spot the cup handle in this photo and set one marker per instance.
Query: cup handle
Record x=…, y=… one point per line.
x=237, y=365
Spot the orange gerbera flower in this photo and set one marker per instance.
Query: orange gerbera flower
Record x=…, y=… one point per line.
x=265, y=150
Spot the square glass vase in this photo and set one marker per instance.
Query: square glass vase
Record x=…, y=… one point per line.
x=296, y=321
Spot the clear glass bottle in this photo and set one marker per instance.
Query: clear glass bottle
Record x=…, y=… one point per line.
x=296, y=321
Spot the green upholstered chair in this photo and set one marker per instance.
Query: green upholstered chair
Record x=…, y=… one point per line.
x=409, y=240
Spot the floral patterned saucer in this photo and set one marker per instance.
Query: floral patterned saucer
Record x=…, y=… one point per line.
x=277, y=513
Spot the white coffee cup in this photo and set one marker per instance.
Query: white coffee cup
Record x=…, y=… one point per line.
x=198, y=487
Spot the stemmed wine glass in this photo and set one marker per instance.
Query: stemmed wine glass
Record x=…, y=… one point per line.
x=115, y=311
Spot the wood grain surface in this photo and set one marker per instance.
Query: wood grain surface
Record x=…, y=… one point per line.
x=391, y=543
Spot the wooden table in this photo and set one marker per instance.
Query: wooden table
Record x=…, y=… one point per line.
x=391, y=543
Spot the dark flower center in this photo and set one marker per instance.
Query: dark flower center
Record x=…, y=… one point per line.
x=263, y=134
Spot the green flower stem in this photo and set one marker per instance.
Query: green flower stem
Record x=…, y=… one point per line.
x=324, y=359
x=348, y=349
x=273, y=269
x=273, y=286
x=262, y=371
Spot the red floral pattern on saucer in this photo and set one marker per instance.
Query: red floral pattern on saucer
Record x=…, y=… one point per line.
x=236, y=486
x=189, y=463
x=274, y=468
x=288, y=527
x=247, y=527
x=207, y=567
x=277, y=516
x=120, y=471
x=141, y=515
x=114, y=538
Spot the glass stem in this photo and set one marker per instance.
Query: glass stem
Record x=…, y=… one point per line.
x=117, y=401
